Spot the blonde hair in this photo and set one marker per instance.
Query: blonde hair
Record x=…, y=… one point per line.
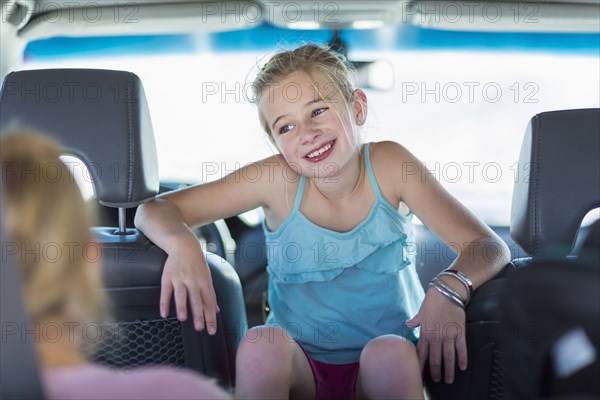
x=309, y=59
x=48, y=221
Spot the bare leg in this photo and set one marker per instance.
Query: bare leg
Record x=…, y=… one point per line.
x=389, y=369
x=271, y=365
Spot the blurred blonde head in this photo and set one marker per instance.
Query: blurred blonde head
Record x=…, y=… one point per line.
x=48, y=221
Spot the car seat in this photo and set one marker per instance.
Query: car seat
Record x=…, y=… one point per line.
x=551, y=308
x=483, y=378
x=102, y=118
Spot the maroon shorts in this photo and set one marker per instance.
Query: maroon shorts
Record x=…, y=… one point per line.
x=333, y=382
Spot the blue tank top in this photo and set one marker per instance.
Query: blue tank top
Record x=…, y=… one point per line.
x=333, y=292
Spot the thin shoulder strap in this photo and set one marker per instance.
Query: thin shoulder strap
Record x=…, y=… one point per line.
x=299, y=194
x=367, y=150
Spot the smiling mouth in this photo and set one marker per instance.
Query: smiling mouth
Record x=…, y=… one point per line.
x=320, y=153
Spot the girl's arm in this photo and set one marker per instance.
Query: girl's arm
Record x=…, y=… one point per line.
x=481, y=255
x=168, y=220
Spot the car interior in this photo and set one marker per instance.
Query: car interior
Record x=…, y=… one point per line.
x=501, y=98
x=565, y=160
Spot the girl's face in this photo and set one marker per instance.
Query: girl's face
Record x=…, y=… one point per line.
x=311, y=123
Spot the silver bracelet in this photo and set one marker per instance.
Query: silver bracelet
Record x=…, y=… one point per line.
x=462, y=278
x=443, y=284
x=447, y=294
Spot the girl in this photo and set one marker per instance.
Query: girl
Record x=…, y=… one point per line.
x=341, y=285
x=46, y=218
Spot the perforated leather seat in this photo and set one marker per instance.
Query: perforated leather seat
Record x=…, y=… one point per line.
x=102, y=118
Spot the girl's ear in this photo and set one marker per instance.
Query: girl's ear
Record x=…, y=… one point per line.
x=360, y=107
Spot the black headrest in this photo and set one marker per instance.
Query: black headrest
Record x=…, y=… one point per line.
x=99, y=116
x=559, y=181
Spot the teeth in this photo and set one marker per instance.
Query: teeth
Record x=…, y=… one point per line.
x=320, y=151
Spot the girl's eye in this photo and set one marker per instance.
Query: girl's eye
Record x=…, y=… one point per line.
x=285, y=129
x=319, y=111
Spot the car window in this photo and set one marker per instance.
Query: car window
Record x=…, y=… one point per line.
x=463, y=110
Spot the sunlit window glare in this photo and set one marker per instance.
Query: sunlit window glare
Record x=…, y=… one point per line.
x=81, y=175
x=463, y=114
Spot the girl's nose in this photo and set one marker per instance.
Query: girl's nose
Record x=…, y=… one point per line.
x=309, y=132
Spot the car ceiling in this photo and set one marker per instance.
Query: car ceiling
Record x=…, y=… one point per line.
x=24, y=21
x=35, y=19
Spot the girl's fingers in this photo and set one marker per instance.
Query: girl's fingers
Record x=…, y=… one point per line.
x=449, y=360
x=166, y=291
x=435, y=360
x=422, y=352
x=210, y=309
x=461, y=351
x=198, y=308
x=413, y=323
x=180, y=300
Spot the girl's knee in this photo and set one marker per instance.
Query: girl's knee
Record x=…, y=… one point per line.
x=267, y=357
x=390, y=348
x=266, y=342
x=389, y=367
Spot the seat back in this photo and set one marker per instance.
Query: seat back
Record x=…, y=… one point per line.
x=483, y=378
x=102, y=118
x=557, y=186
x=551, y=307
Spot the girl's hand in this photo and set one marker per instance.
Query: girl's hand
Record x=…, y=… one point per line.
x=187, y=275
x=442, y=337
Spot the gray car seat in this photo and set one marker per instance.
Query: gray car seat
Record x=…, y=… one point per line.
x=102, y=118
x=551, y=307
x=483, y=378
